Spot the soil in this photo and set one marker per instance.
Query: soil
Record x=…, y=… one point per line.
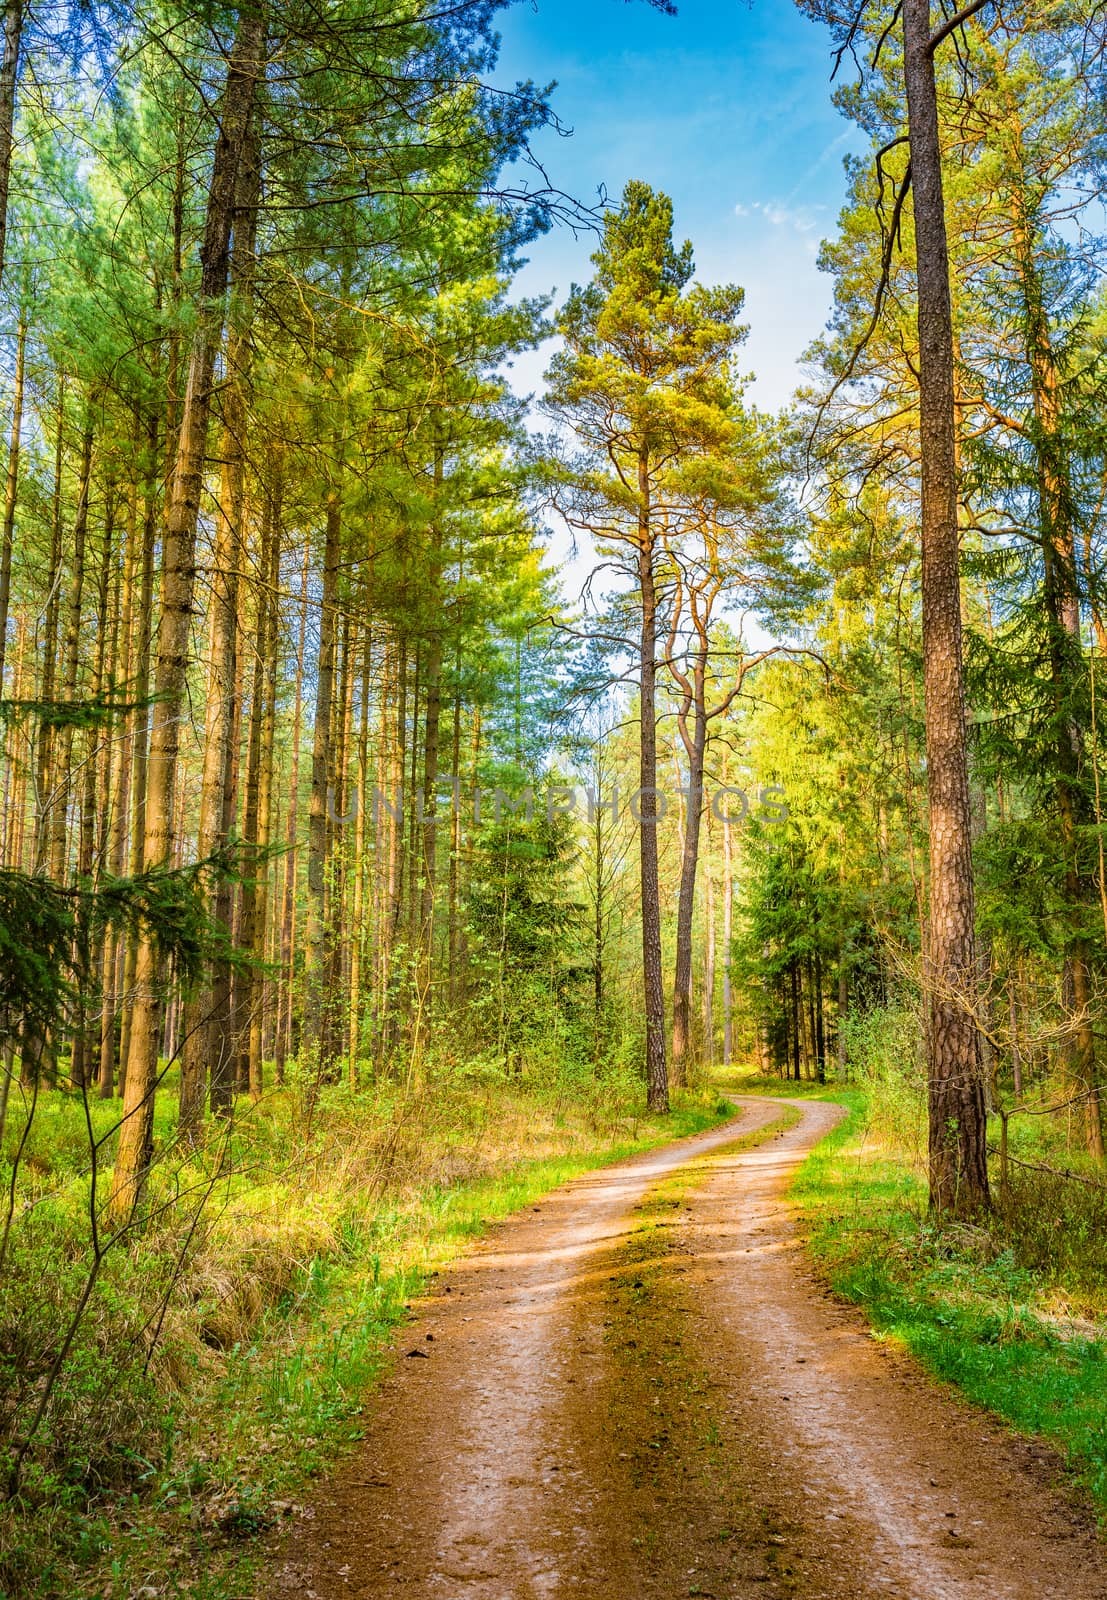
x=641, y=1389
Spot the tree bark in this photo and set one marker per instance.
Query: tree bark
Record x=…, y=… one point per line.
x=15, y=771
x=393, y=886
x=178, y=583
x=71, y=661
x=599, y=910
x=14, y=12
x=87, y=861
x=957, y=1149
x=453, y=911
x=251, y=925
x=338, y=853
x=207, y=1045
x=258, y=1007
x=431, y=725
x=709, y=965
x=1016, y=1047
x=797, y=1025
x=315, y=1034
x=286, y=1042
x=728, y=915
x=45, y=750
x=11, y=483
x=141, y=724
x=657, y=1076
x=414, y=854
x=358, y=918
x=820, y=1024
x=695, y=745
x=122, y=766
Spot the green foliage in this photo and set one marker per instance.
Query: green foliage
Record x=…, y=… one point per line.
x=37, y=929
x=90, y=712
x=47, y=934
x=526, y=929
x=646, y=379
x=1056, y=1223
x=520, y=896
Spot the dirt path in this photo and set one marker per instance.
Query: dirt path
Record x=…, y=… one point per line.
x=639, y=1390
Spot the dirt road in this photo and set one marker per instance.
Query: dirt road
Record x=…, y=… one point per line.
x=639, y=1389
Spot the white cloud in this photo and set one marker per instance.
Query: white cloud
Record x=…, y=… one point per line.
x=829, y=150
x=801, y=219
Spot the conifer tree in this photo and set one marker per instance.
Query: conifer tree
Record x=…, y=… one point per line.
x=645, y=384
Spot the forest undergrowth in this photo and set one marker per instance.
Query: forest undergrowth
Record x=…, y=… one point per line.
x=1012, y=1309
x=206, y=1385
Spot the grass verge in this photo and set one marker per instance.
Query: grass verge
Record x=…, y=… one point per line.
x=1015, y=1328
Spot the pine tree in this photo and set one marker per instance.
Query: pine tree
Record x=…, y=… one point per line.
x=644, y=383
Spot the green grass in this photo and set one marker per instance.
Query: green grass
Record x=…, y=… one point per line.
x=963, y=1300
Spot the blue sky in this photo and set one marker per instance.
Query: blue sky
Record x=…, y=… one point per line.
x=726, y=107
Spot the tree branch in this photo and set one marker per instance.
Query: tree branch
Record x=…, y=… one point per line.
x=878, y=304
x=954, y=23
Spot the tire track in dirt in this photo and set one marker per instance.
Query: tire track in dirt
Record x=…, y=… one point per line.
x=870, y=1457
x=640, y=1389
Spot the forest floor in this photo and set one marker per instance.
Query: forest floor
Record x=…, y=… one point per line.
x=641, y=1387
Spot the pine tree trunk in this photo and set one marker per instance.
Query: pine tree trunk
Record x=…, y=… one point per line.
x=797, y=1024
x=222, y=1023
x=15, y=771
x=87, y=864
x=177, y=589
x=465, y=858
x=258, y=1008
x=393, y=886
x=657, y=1077
x=453, y=912
x=14, y=11
x=315, y=1034
x=807, y=1008
x=398, y=777
x=120, y=787
x=728, y=916
x=286, y=1043
x=357, y=913
x=338, y=854
x=252, y=916
x=599, y=912
x=430, y=824
x=45, y=750
x=11, y=482
x=414, y=851
x=695, y=746
x=709, y=968
x=71, y=659
x=820, y=1028
x=958, y=1161
x=208, y=1042
x=141, y=725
